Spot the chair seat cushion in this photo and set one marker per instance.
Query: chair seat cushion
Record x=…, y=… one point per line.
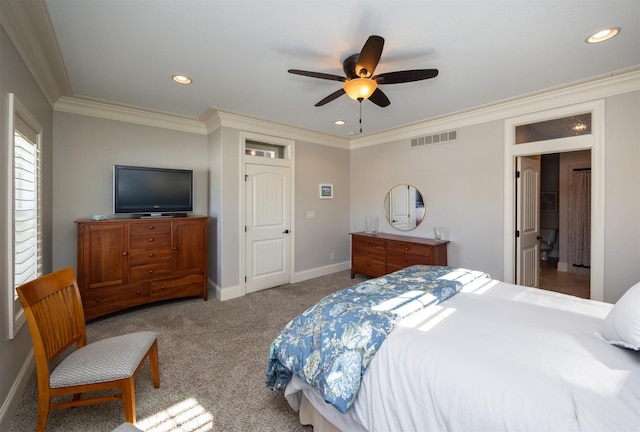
x=105, y=360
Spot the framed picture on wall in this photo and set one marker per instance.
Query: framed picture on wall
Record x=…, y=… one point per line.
x=326, y=191
x=549, y=202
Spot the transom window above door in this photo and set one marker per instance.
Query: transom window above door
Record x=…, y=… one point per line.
x=255, y=148
x=563, y=127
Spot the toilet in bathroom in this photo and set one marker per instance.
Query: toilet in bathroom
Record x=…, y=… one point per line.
x=548, y=237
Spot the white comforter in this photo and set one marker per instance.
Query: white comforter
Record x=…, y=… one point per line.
x=501, y=358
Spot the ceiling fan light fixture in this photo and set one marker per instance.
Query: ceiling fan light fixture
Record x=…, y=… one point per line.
x=360, y=88
x=603, y=35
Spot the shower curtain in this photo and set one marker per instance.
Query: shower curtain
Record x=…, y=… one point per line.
x=580, y=218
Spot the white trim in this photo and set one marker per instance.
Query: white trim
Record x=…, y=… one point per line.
x=7, y=227
x=596, y=143
x=599, y=87
x=30, y=29
x=16, y=391
x=211, y=119
x=321, y=271
x=214, y=119
x=288, y=162
x=15, y=314
x=109, y=111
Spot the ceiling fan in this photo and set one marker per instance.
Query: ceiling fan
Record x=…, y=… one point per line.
x=360, y=83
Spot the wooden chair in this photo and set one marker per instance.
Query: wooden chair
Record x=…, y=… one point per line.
x=53, y=309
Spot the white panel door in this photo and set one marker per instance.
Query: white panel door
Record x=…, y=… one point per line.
x=399, y=204
x=267, y=226
x=527, y=222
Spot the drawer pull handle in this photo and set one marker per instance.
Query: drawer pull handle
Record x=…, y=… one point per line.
x=124, y=253
x=150, y=254
x=150, y=226
x=151, y=239
x=406, y=248
x=98, y=299
x=138, y=292
x=175, y=248
x=150, y=271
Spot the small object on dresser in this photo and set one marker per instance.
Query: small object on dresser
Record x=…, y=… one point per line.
x=371, y=225
x=438, y=232
x=99, y=217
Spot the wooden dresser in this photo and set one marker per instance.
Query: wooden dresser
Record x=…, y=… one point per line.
x=128, y=262
x=379, y=254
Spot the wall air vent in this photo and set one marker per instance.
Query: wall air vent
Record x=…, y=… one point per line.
x=438, y=138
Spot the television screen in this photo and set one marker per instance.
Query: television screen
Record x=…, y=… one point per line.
x=152, y=190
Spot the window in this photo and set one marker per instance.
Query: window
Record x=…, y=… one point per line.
x=256, y=148
x=25, y=209
x=564, y=127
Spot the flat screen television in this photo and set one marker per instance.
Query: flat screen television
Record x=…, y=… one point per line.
x=152, y=191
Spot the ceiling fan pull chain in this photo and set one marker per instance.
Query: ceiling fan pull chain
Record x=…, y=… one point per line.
x=360, y=100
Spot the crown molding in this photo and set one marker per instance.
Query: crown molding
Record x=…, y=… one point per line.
x=110, y=111
x=214, y=119
x=610, y=84
x=29, y=27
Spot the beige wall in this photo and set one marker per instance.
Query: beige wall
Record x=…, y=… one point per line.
x=15, y=354
x=327, y=232
x=622, y=194
x=85, y=150
x=463, y=184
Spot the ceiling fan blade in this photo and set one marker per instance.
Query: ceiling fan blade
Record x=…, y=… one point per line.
x=332, y=96
x=379, y=98
x=317, y=75
x=369, y=56
x=406, y=76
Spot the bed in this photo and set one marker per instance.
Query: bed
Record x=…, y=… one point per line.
x=461, y=351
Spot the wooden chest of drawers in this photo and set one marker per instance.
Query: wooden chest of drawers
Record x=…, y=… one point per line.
x=129, y=262
x=379, y=254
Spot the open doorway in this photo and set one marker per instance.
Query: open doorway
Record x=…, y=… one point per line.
x=565, y=222
x=515, y=149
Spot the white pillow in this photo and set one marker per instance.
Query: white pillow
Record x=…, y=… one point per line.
x=622, y=325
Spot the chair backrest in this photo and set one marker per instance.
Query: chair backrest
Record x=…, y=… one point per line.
x=53, y=308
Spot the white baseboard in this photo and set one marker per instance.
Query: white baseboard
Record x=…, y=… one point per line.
x=236, y=291
x=10, y=404
x=321, y=271
x=563, y=266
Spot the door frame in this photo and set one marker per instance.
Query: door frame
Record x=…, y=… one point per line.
x=287, y=161
x=594, y=142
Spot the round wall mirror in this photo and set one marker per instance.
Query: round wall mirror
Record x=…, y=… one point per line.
x=404, y=207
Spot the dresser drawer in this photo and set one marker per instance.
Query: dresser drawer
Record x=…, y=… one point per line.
x=149, y=256
x=368, y=266
x=368, y=242
x=150, y=240
x=371, y=248
x=101, y=301
x=400, y=247
x=149, y=271
x=150, y=227
x=398, y=260
x=186, y=286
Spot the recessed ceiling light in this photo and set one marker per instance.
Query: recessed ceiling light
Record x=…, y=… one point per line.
x=603, y=35
x=340, y=122
x=181, y=79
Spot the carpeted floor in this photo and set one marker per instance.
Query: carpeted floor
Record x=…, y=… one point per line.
x=213, y=357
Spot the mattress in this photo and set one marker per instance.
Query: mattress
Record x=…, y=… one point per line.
x=495, y=357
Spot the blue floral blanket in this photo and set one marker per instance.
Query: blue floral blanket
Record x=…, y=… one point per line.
x=331, y=344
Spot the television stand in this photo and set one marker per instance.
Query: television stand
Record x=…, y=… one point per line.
x=124, y=263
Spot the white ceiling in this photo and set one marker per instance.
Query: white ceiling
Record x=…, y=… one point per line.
x=238, y=51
